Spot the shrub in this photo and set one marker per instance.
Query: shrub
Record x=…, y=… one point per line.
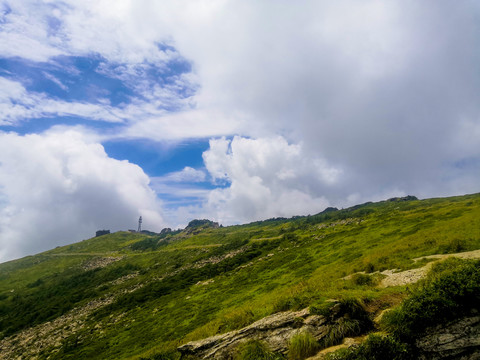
x=254, y=349
x=374, y=348
x=294, y=301
x=354, y=321
x=302, y=345
x=323, y=309
x=355, y=309
x=452, y=291
x=236, y=320
x=362, y=279
x=341, y=329
x=454, y=246
x=290, y=236
x=164, y=355
x=369, y=267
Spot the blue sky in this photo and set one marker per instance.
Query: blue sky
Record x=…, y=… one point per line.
x=232, y=111
x=93, y=79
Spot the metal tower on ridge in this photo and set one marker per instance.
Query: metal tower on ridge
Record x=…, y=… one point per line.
x=139, y=224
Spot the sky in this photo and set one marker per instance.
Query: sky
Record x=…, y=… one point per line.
x=233, y=111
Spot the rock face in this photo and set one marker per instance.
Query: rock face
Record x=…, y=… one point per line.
x=196, y=225
x=457, y=340
x=275, y=330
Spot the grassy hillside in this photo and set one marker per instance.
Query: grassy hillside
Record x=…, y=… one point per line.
x=128, y=296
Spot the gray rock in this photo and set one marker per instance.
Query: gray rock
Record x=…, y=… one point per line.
x=457, y=340
x=275, y=330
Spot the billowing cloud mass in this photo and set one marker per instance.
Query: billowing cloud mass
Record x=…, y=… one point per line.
x=267, y=178
x=302, y=105
x=60, y=184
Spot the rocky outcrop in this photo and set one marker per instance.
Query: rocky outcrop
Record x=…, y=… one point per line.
x=275, y=330
x=100, y=262
x=329, y=324
x=195, y=226
x=457, y=340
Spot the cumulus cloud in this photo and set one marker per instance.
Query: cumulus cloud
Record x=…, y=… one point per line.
x=265, y=177
x=60, y=186
x=333, y=103
x=384, y=90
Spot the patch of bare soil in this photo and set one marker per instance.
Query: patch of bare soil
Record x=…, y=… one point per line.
x=412, y=276
x=100, y=262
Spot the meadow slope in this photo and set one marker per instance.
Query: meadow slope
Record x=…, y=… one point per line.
x=130, y=296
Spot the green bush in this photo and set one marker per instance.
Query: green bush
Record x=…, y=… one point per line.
x=362, y=279
x=453, y=246
x=302, y=345
x=450, y=291
x=322, y=309
x=341, y=329
x=353, y=321
x=164, y=355
x=290, y=236
x=255, y=349
x=374, y=348
x=369, y=268
x=236, y=320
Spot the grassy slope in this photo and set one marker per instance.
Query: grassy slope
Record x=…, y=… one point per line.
x=274, y=266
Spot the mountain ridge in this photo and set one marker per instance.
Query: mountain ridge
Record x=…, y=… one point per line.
x=134, y=295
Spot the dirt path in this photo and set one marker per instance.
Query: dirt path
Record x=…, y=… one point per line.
x=413, y=275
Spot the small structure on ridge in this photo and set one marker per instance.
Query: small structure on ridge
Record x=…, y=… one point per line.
x=102, y=232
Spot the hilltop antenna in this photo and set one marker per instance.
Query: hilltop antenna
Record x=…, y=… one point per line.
x=139, y=224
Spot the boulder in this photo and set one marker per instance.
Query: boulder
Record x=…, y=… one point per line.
x=457, y=340
x=275, y=330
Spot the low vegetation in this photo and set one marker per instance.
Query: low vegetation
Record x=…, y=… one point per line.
x=376, y=347
x=450, y=291
x=255, y=349
x=302, y=345
x=355, y=321
x=166, y=289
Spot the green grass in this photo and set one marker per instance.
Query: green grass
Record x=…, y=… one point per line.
x=302, y=345
x=255, y=349
x=451, y=290
x=376, y=347
x=185, y=286
x=354, y=321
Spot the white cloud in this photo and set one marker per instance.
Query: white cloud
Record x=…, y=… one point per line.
x=187, y=174
x=267, y=177
x=17, y=104
x=148, y=118
x=370, y=98
x=39, y=30
x=384, y=90
x=25, y=31
x=187, y=124
x=55, y=80
x=60, y=186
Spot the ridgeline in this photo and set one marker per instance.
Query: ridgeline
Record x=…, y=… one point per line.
x=374, y=281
